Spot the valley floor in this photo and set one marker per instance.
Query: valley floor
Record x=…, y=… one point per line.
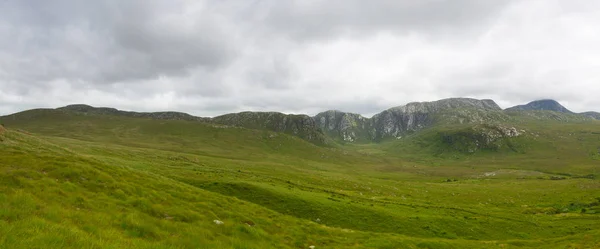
x=139, y=186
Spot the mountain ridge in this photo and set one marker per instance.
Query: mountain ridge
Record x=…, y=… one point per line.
x=541, y=105
x=594, y=115
x=393, y=123
x=300, y=125
x=171, y=115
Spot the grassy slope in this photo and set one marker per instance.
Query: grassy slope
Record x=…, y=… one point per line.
x=566, y=148
x=53, y=197
x=162, y=169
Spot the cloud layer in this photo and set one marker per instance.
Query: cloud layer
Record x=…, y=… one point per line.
x=213, y=57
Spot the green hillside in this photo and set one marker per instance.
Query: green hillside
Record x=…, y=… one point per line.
x=76, y=180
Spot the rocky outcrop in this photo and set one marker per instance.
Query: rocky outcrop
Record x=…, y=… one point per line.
x=348, y=127
x=541, y=105
x=301, y=126
x=393, y=123
x=398, y=121
x=481, y=137
x=417, y=115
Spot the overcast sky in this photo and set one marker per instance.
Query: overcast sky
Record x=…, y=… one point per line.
x=298, y=56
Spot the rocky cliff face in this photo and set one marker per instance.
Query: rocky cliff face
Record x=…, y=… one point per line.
x=394, y=123
x=397, y=121
x=302, y=126
x=349, y=127
x=541, y=105
x=415, y=116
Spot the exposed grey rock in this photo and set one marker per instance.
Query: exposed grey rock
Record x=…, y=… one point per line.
x=350, y=127
x=397, y=121
x=417, y=115
x=302, y=126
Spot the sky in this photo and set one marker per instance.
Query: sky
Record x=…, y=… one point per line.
x=211, y=57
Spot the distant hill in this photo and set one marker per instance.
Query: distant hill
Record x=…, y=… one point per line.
x=594, y=115
x=112, y=111
x=398, y=121
x=541, y=105
x=344, y=127
x=415, y=116
x=298, y=125
x=348, y=127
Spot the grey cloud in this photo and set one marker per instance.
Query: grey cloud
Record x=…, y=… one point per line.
x=289, y=101
x=211, y=57
x=111, y=41
x=150, y=44
x=329, y=19
x=276, y=73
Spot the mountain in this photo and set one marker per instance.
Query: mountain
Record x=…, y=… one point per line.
x=541, y=105
x=86, y=109
x=74, y=180
x=103, y=178
x=398, y=121
x=349, y=127
x=301, y=126
x=594, y=115
x=393, y=123
x=415, y=116
x=548, y=109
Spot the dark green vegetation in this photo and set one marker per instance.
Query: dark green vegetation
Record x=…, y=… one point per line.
x=75, y=179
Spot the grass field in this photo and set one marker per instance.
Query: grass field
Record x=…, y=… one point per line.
x=93, y=181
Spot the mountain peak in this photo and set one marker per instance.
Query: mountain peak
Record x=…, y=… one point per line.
x=541, y=105
x=397, y=121
x=444, y=104
x=348, y=126
x=393, y=123
x=299, y=125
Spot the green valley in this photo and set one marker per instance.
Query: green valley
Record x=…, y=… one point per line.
x=455, y=175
